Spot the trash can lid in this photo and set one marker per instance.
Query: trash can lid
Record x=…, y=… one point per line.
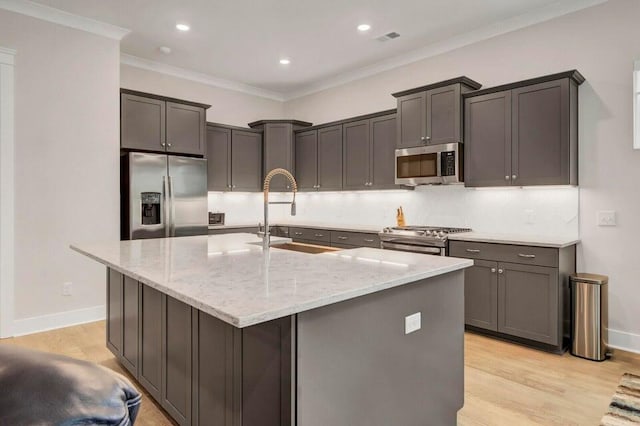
x=590, y=278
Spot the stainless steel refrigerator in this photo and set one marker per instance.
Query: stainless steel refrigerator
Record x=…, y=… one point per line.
x=162, y=196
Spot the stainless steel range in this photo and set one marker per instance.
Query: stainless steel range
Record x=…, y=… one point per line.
x=418, y=239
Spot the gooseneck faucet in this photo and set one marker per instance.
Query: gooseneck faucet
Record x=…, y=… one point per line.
x=266, y=234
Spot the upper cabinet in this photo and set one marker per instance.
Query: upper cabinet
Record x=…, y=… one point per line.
x=319, y=159
x=432, y=114
x=524, y=133
x=234, y=159
x=279, y=150
x=156, y=123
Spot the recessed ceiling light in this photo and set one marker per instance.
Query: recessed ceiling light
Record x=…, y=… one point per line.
x=364, y=27
x=285, y=61
x=183, y=27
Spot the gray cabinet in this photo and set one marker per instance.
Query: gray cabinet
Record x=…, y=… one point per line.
x=382, y=152
x=481, y=295
x=279, y=148
x=156, y=123
x=234, y=159
x=150, y=369
x=432, y=114
x=319, y=159
x=524, y=133
x=122, y=319
x=528, y=299
x=356, y=155
x=518, y=292
x=349, y=239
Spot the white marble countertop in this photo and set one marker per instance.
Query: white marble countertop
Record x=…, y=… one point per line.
x=522, y=240
x=229, y=276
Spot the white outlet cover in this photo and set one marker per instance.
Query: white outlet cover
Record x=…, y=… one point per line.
x=607, y=218
x=67, y=289
x=412, y=323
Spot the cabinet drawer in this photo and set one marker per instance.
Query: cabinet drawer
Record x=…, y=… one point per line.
x=359, y=239
x=310, y=235
x=526, y=255
x=343, y=246
x=280, y=231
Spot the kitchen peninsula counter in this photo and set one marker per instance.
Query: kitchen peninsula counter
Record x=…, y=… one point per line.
x=220, y=332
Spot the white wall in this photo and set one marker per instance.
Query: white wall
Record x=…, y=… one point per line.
x=66, y=166
x=601, y=42
x=227, y=106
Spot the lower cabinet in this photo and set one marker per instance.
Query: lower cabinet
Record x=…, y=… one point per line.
x=527, y=301
x=201, y=370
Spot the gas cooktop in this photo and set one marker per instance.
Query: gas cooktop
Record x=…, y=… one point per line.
x=419, y=235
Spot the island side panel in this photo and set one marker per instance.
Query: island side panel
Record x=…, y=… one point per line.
x=356, y=365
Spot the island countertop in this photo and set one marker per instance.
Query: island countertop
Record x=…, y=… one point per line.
x=230, y=278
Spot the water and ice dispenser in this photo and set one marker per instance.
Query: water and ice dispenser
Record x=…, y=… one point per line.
x=150, y=208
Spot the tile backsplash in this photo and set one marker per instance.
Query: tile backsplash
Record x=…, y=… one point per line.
x=551, y=211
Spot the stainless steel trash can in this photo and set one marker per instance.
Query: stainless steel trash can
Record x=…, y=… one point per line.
x=590, y=316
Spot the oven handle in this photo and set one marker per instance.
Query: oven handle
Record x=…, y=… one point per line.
x=412, y=248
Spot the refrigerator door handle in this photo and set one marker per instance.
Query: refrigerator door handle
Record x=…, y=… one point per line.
x=172, y=210
x=165, y=202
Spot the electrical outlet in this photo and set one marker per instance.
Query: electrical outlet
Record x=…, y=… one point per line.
x=67, y=289
x=530, y=216
x=607, y=218
x=412, y=323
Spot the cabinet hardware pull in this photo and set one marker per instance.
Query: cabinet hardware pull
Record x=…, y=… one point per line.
x=500, y=271
x=493, y=270
x=514, y=177
x=422, y=138
x=368, y=240
x=162, y=143
x=298, y=233
x=342, y=238
x=473, y=251
x=428, y=138
x=168, y=144
x=506, y=178
x=527, y=256
x=319, y=235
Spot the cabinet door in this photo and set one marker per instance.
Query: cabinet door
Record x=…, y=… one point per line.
x=528, y=302
x=176, y=359
x=330, y=158
x=383, y=146
x=185, y=129
x=150, y=356
x=541, y=143
x=130, y=327
x=278, y=152
x=114, y=311
x=481, y=295
x=246, y=161
x=355, y=158
x=218, y=154
x=444, y=115
x=142, y=123
x=307, y=160
x=487, y=147
x=412, y=123
x=216, y=392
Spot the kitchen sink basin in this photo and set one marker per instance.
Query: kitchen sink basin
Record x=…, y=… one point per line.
x=304, y=248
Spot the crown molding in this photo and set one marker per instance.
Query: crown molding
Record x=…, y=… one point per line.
x=198, y=77
x=60, y=17
x=551, y=11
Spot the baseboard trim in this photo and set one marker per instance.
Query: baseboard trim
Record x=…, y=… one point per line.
x=622, y=340
x=58, y=320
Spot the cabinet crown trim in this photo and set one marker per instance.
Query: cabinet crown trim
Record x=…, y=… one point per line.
x=349, y=120
x=472, y=84
x=293, y=122
x=163, y=98
x=573, y=75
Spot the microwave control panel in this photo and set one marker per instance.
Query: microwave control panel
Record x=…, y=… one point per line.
x=448, y=163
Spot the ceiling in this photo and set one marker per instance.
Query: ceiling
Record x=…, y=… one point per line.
x=243, y=41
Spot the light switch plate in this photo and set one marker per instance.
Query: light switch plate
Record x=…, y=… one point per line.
x=412, y=323
x=607, y=218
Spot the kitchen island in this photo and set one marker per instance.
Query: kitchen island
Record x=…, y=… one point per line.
x=221, y=333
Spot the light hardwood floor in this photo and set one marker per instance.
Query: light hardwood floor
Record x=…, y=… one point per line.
x=505, y=384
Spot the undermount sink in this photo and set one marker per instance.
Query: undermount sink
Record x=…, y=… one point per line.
x=304, y=248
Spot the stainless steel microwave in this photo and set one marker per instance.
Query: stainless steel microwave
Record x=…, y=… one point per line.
x=432, y=164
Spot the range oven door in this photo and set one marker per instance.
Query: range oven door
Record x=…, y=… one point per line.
x=413, y=248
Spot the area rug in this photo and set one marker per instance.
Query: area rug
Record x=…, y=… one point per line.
x=625, y=405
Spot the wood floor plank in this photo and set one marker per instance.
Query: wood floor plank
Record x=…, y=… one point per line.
x=505, y=384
